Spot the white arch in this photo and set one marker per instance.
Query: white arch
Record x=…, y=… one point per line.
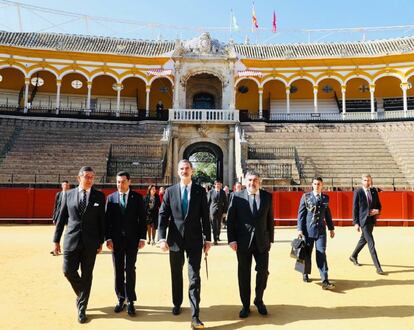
x=200, y=71
x=341, y=82
x=364, y=77
x=5, y=66
x=160, y=77
x=65, y=73
x=132, y=75
x=105, y=74
x=304, y=78
x=388, y=74
x=32, y=72
x=274, y=78
x=249, y=78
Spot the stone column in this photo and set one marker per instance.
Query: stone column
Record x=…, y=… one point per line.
x=260, y=103
x=231, y=159
x=343, y=89
x=232, y=105
x=372, y=94
x=315, y=99
x=176, y=102
x=175, y=159
x=26, y=93
x=118, y=99
x=288, y=99
x=147, y=101
x=58, y=85
x=404, y=87
x=88, y=100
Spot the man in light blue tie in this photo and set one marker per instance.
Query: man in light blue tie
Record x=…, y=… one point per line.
x=184, y=211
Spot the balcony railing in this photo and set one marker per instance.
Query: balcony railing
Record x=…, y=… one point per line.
x=216, y=116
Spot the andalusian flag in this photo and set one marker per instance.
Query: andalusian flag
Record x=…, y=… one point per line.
x=255, y=24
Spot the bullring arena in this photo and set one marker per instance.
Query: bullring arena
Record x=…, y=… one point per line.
x=289, y=111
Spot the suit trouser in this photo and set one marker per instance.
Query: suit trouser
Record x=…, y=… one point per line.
x=321, y=260
x=124, y=258
x=244, y=259
x=176, y=264
x=216, y=226
x=81, y=284
x=367, y=237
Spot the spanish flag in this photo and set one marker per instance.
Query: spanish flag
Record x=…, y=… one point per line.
x=274, y=28
x=255, y=25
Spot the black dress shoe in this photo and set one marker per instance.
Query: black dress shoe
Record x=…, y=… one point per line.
x=326, y=285
x=245, y=311
x=354, y=261
x=381, y=272
x=176, y=310
x=196, y=323
x=82, y=317
x=131, y=309
x=306, y=278
x=261, y=308
x=119, y=307
x=215, y=243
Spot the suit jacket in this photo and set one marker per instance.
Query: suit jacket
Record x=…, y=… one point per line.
x=189, y=232
x=128, y=226
x=88, y=228
x=360, y=210
x=57, y=206
x=313, y=216
x=242, y=225
x=217, y=202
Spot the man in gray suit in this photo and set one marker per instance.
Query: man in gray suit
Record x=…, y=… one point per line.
x=366, y=208
x=313, y=216
x=250, y=234
x=83, y=211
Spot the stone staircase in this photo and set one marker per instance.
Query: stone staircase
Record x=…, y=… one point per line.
x=339, y=153
x=49, y=151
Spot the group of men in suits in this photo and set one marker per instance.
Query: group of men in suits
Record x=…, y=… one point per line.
x=314, y=216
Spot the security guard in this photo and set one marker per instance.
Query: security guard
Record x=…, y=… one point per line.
x=313, y=217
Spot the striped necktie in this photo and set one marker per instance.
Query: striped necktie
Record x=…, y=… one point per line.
x=82, y=203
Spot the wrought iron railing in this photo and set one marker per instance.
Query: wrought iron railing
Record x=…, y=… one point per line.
x=271, y=153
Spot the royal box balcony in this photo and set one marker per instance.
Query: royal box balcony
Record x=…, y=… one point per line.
x=205, y=116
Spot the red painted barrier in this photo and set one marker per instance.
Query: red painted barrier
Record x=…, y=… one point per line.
x=397, y=206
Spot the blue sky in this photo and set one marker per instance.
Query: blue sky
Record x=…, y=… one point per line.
x=171, y=19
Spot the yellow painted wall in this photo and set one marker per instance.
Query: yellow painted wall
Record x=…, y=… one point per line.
x=273, y=90
x=305, y=90
x=250, y=100
x=410, y=92
x=12, y=79
x=388, y=87
x=336, y=89
x=352, y=89
x=102, y=85
x=66, y=87
x=50, y=82
x=135, y=86
x=156, y=94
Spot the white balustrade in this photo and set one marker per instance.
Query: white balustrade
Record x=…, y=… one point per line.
x=216, y=116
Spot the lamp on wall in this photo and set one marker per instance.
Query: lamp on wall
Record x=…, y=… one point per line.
x=76, y=84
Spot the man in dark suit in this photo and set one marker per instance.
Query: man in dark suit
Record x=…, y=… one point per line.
x=58, y=200
x=83, y=211
x=313, y=216
x=184, y=211
x=217, y=202
x=366, y=208
x=125, y=234
x=250, y=234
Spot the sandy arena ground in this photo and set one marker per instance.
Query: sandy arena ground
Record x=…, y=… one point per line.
x=35, y=294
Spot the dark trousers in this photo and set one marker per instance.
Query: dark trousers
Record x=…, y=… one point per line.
x=124, y=258
x=321, y=261
x=367, y=237
x=244, y=259
x=176, y=264
x=216, y=226
x=85, y=259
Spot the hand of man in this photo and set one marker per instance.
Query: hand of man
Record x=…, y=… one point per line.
x=233, y=246
x=207, y=246
x=332, y=233
x=164, y=246
x=141, y=245
x=56, y=250
x=99, y=249
x=300, y=234
x=373, y=212
x=109, y=245
x=357, y=227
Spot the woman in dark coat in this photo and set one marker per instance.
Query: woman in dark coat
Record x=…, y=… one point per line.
x=152, y=205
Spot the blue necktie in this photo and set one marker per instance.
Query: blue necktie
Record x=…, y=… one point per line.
x=123, y=202
x=254, y=206
x=184, y=202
